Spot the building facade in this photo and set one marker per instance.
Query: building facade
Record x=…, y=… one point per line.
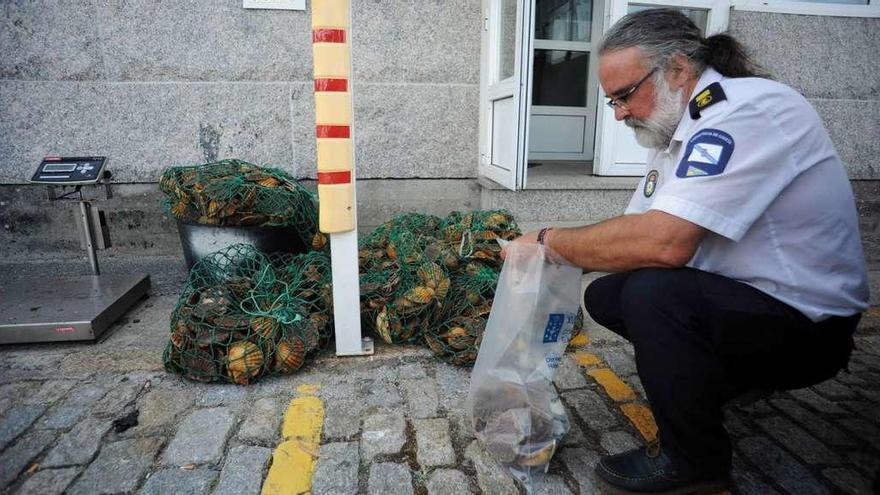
x=152, y=84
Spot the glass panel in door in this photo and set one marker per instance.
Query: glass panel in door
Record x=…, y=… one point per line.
x=563, y=20
x=564, y=85
x=506, y=39
x=560, y=78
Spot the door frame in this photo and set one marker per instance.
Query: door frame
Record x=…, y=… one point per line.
x=589, y=111
x=519, y=86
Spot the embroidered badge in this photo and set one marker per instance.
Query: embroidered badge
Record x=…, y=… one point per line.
x=651, y=182
x=707, y=153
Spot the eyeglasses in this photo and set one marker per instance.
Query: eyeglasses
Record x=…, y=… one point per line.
x=621, y=101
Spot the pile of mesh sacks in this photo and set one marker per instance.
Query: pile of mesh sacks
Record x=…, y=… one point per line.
x=244, y=314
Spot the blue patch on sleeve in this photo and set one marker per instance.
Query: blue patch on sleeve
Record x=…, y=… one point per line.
x=707, y=153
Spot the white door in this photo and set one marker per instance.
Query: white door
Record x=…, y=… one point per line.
x=618, y=152
x=505, y=80
x=564, y=82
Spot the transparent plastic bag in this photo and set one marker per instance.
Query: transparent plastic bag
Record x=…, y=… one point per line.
x=515, y=410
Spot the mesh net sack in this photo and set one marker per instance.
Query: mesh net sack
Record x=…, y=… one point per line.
x=401, y=286
x=431, y=280
x=244, y=314
x=237, y=193
x=458, y=333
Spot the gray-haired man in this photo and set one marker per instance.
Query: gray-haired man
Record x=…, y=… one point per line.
x=738, y=264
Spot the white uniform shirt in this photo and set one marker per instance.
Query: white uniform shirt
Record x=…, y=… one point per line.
x=759, y=171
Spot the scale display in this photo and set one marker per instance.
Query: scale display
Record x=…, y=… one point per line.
x=70, y=170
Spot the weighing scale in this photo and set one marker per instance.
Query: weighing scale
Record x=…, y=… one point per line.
x=71, y=308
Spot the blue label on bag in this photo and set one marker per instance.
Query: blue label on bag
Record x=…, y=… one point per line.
x=554, y=326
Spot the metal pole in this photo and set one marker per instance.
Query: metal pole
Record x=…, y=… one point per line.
x=85, y=215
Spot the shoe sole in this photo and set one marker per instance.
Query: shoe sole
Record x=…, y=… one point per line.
x=715, y=487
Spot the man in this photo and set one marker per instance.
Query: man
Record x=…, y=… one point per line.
x=738, y=263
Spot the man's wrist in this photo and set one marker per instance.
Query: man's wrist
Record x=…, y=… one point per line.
x=543, y=235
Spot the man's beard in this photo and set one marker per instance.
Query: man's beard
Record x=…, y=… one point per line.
x=656, y=131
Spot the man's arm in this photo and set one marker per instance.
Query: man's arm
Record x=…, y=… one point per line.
x=628, y=242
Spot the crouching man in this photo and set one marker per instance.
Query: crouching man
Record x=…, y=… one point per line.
x=738, y=263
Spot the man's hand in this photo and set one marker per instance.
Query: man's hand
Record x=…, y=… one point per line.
x=530, y=238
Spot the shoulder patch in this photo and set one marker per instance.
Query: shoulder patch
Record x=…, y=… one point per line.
x=707, y=153
x=709, y=96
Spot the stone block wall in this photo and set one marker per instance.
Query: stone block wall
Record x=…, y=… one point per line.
x=153, y=83
x=833, y=62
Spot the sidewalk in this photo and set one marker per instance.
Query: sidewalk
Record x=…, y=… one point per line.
x=390, y=423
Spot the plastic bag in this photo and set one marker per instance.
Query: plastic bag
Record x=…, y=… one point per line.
x=515, y=410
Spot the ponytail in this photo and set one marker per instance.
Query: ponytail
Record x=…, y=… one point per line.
x=726, y=55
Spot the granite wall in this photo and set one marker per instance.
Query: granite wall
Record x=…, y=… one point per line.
x=152, y=83
x=833, y=61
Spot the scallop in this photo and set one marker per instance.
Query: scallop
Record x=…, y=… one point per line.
x=539, y=457
x=198, y=365
x=289, y=355
x=180, y=335
x=265, y=326
x=244, y=362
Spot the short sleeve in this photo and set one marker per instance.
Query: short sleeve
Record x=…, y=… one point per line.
x=637, y=201
x=730, y=169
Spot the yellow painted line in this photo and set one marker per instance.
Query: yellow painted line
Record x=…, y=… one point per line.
x=308, y=389
x=639, y=415
x=614, y=386
x=587, y=359
x=642, y=418
x=293, y=462
x=579, y=340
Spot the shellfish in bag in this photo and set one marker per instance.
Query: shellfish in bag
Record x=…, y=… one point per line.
x=515, y=410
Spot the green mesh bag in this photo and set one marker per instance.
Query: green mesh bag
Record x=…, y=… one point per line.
x=432, y=280
x=244, y=315
x=401, y=287
x=237, y=193
x=474, y=234
x=457, y=336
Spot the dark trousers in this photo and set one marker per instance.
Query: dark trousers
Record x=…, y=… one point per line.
x=701, y=339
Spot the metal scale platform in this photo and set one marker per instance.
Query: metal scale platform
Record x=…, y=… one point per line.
x=71, y=308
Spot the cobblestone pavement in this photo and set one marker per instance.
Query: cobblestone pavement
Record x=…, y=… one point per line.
x=392, y=423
